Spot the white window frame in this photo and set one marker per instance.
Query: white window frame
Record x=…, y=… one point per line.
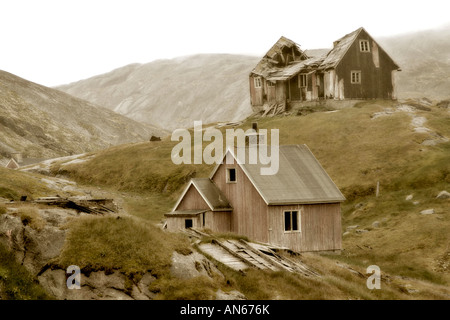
x=228, y=175
x=301, y=83
x=291, y=230
x=257, y=82
x=355, y=77
x=364, y=45
x=270, y=84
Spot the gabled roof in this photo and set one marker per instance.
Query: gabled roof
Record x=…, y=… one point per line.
x=209, y=192
x=338, y=52
x=300, y=178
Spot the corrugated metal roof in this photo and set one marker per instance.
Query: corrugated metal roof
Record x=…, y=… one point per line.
x=300, y=179
x=211, y=194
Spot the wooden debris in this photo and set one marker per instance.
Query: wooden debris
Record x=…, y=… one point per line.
x=92, y=206
x=240, y=255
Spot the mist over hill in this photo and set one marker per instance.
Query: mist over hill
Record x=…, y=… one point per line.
x=174, y=93
x=424, y=58
x=42, y=122
x=214, y=87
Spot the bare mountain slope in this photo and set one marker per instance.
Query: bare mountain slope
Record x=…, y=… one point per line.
x=425, y=61
x=43, y=122
x=174, y=93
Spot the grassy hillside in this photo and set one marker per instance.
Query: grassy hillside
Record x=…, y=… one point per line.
x=42, y=122
x=359, y=146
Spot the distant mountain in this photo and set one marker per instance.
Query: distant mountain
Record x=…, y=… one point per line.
x=424, y=58
x=212, y=88
x=42, y=122
x=174, y=93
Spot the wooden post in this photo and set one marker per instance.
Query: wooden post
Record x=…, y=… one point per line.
x=378, y=188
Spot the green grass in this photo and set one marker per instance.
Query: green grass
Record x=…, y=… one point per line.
x=125, y=243
x=14, y=184
x=16, y=283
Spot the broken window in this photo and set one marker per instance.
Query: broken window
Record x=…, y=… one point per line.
x=291, y=221
x=231, y=175
x=303, y=80
x=356, y=77
x=364, y=45
x=257, y=82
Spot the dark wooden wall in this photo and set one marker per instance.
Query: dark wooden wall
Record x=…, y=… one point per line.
x=376, y=83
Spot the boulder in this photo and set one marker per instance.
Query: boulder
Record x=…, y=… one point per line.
x=231, y=295
x=192, y=265
x=428, y=211
x=409, y=197
x=376, y=224
x=443, y=195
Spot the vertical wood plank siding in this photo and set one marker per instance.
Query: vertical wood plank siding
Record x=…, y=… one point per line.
x=376, y=82
x=249, y=216
x=192, y=200
x=320, y=227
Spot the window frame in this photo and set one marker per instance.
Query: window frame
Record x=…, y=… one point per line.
x=228, y=175
x=257, y=82
x=301, y=83
x=270, y=83
x=364, y=45
x=291, y=220
x=358, y=73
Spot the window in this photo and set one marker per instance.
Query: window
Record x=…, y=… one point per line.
x=291, y=222
x=231, y=175
x=356, y=77
x=303, y=80
x=257, y=82
x=364, y=45
x=188, y=223
x=270, y=84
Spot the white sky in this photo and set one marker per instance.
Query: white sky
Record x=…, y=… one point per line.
x=54, y=42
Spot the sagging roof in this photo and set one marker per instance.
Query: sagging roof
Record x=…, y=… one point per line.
x=210, y=193
x=274, y=59
x=300, y=178
x=295, y=68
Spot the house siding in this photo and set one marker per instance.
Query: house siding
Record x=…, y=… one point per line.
x=376, y=82
x=192, y=200
x=320, y=227
x=249, y=216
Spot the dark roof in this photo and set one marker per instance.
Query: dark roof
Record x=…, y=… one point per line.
x=300, y=178
x=212, y=195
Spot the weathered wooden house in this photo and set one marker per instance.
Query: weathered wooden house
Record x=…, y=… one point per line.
x=298, y=207
x=355, y=68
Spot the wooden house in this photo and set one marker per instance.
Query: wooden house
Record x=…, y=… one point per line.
x=298, y=207
x=355, y=68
